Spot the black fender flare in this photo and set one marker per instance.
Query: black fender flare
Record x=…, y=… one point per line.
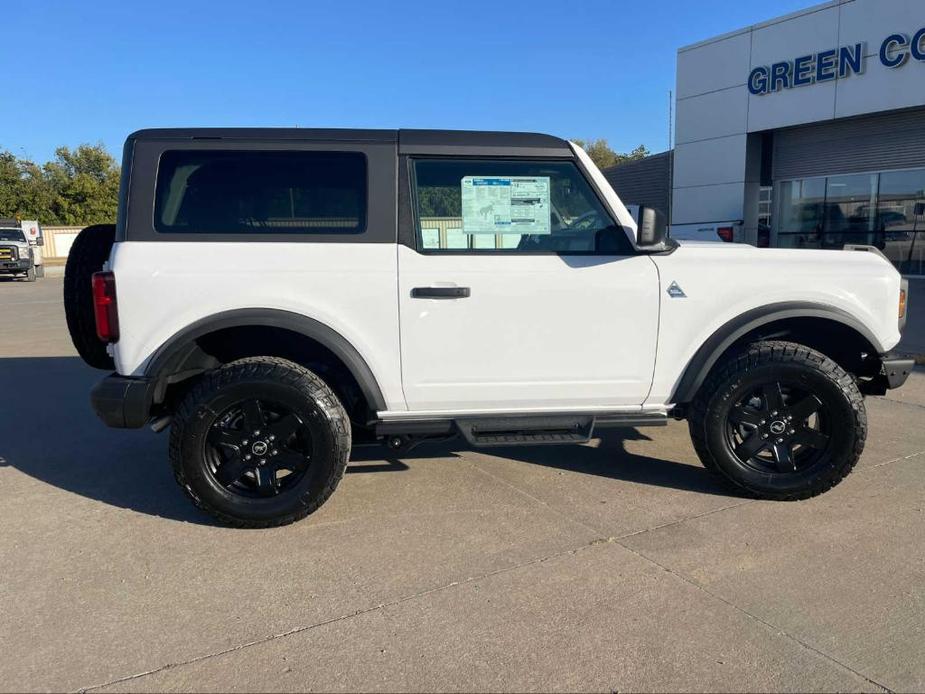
x=180, y=352
x=697, y=370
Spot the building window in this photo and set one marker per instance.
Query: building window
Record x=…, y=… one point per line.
x=800, y=212
x=850, y=210
x=764, y=205
x=876, y=209
x=903, y=231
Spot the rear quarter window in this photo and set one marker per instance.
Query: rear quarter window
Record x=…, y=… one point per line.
x=270, y=192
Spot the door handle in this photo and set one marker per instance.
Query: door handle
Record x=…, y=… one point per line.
x=440, y=292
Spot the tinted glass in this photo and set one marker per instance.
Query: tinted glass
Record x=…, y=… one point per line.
x=228, y=192
x=12, y=235
x=903, y=231
x=876, y=209
x=801, y=210
x=850, y=209
x=511, y=206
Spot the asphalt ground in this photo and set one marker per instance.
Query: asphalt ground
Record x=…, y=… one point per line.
x=620, y=565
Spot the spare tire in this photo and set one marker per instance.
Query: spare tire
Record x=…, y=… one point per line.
x=88, y=253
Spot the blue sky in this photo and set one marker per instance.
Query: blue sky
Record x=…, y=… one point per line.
x=78, y=72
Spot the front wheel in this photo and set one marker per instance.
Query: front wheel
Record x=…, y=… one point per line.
x=30, y=275
x=259, y=442
x=779, y=421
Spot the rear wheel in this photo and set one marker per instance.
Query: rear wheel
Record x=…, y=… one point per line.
x=260, y=442
x=779, y=421
x=89, y=251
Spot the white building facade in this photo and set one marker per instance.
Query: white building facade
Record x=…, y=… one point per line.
x=812, y=124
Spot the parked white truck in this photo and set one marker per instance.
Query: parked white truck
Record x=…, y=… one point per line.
x=17, y=255
x=276, y=296
x=32, y=230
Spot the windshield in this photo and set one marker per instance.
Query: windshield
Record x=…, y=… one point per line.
x=12, y=235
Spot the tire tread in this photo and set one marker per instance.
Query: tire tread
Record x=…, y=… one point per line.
x=778, y=352
x=263, y=368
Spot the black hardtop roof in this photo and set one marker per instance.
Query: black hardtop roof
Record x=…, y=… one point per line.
x=409, y=138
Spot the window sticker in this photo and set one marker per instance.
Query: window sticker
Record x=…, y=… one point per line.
x=505, y=205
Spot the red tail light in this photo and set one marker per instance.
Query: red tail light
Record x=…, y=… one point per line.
x=105, y=308
x=725, y=233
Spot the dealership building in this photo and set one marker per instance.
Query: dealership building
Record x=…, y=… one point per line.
x=807, y=130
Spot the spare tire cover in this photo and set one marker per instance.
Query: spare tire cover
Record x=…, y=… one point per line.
x=88, y=253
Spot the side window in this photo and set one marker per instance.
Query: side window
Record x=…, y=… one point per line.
x=466, y=205
x=253, y=192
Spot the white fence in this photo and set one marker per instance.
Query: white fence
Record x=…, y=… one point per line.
x=58, y=241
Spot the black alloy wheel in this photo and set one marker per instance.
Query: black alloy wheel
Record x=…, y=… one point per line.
x=258, y=448
x=778, y=428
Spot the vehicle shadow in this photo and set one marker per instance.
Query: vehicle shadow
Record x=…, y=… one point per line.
x=608, y=457
x=49, y=432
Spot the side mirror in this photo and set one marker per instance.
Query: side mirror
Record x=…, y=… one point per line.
x=651, y=230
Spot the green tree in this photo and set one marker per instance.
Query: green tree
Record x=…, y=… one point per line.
x=640, y=152
x=79, y=187
x=36, y=194
x=438, y=201
x=604, y=157
x=10, y=184
x=85, y=184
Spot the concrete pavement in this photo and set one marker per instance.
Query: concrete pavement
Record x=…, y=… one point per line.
x=619, y=565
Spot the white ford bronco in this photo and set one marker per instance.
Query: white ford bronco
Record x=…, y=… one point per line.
x=276, y=296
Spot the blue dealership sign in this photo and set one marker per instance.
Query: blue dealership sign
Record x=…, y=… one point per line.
x=824, y=66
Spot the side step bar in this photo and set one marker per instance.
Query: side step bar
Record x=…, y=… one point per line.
x=521, y=430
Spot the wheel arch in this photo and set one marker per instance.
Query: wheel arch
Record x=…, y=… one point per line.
x=182, y=355
x=828, y=329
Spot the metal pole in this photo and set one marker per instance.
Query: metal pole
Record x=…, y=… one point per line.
x=670, y=161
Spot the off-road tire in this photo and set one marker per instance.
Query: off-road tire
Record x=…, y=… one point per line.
x=30, y=275
x=39, y=271
x=260, y=377
x=757, y=364
x=88, y=253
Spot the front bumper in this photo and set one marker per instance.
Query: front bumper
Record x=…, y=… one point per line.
x=894, y=370
x=15, y=265
x=123, y=402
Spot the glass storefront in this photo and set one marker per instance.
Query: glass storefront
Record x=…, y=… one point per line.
x=883, y=209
